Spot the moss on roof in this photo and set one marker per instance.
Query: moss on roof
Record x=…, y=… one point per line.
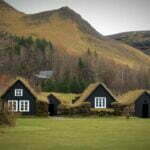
x=64, y=98
x=27, y=84
x=131, y=96
x=43, y=97
x=90, y=89
x=24, y=81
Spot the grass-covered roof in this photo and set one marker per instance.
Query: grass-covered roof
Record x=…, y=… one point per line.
x=64, y=98
x=35, y=92
x=26, y=83
x=131, y=96
x=90, y=89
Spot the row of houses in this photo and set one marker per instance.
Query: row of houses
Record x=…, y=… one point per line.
x=20, y=96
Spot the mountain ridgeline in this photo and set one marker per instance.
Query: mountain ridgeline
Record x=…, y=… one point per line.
x=138, y=39
x=64, y=13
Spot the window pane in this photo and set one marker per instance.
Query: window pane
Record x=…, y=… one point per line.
x=24, y=105
x=13, y=105
x=18, y=92
x=100, y=102
x=97, y=102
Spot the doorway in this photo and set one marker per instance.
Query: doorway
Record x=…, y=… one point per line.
x=145, y=111
x=51, y=109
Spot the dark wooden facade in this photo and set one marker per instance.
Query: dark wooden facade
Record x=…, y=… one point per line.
x=142, y=105
x=53, y=105
x=100, y=91
x=27, y=95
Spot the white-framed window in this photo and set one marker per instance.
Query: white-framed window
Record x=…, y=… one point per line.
x=100, y=102
x=13, y=105
x=24, y=106
x=18, y=92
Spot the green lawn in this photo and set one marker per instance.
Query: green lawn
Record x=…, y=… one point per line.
x=78, y=133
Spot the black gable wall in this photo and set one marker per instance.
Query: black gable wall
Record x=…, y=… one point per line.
x=27, y=95
x=143, y=99
x=100, y=91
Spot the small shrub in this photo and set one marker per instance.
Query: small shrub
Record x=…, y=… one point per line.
x=7, y=118
x=63, y=109
x=17, y=49
x=128, y=111
x=82, y=109
x=118, y=108
x=42, y=108
x=102, y=112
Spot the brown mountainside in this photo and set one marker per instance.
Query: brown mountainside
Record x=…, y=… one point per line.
x=70, y=32
x=137, y=39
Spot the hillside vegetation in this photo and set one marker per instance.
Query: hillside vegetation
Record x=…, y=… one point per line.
x=139, y=40
x=25, y=56
x=18, y=53
x=68, y=31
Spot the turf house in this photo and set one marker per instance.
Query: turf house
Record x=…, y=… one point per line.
x=55, y=100
x=98, y=95
x=20, y=97
x=136, y=103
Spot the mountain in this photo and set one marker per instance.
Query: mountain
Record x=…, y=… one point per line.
x=69, y=32
x=8, y=15
x=138, y=39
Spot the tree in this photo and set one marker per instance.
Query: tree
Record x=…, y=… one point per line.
x=41, y=44
x=29, y=40
x=48, y=85
x=89, y=51
x=81, y=64
x=17, y=49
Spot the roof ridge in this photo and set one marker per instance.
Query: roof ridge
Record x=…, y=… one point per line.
x=93, y=86
x=131, y=96
x=24, y=81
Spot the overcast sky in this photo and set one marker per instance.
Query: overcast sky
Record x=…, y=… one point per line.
x=106, y=16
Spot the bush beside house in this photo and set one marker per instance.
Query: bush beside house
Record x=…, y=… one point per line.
x=82, y=109
x=42, y=108
x=7, y=118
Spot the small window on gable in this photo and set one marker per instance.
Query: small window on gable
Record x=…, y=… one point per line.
x=18, y=92
x=100, y=102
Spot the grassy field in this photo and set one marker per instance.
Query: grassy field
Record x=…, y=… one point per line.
x=78, y=133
